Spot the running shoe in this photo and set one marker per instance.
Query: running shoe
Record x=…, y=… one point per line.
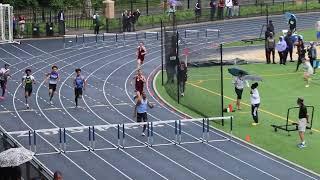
x=28, y=107
x=300, y=145
x=51, y=102
x=254, y=124
x=143, y=134
x=307, y=85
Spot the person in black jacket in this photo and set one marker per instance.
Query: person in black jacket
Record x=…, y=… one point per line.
x=124, y=20
x=182, y=77
x=290, y=42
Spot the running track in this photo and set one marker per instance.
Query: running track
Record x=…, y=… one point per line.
x=108, y=100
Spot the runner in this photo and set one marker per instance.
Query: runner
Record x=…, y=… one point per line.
x=303, y=120
x=53, y=78
x=140, y=80
x=141, y=52
x=4, y=74
x=140, y=110
x=79, y=85
x=308, y=71
x=27, y=81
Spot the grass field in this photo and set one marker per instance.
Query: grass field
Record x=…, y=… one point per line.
x=279, y=90
x=308, y=35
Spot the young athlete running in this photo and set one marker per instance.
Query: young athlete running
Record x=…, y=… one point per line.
x=140, y=80
x=27, y=81
x=53, y=78
x=141, y=52
x=79, y=83
x=308, y=71
x=4, y=74
x=140, y=110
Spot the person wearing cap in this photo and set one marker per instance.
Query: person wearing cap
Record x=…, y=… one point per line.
x=300, y=51
x=255, y=103
x=302, y=123
x=312, y=54
x=281, y=48
x=308, y=70
x=270, y=48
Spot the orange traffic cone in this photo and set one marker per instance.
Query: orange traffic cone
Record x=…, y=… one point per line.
x=230, y=108
x=248, y=139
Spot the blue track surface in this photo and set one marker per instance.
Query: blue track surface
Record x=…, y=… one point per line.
x=108, y=100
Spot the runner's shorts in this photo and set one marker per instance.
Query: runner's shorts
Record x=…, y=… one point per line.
x=78, y=92
x=53, y=87
x=142, y=117
x=302, y=124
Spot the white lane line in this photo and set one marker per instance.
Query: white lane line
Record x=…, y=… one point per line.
x=72, y=116
x=107, y=122
x=56, y=149
x=117, y=110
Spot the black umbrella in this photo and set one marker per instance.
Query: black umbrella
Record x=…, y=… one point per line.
x=237, y=71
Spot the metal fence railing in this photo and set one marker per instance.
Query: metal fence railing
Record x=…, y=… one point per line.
x=81, y=19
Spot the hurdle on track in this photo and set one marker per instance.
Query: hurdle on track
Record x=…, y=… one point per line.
x=121, y=133
x=86, y=36
x=149, y=33
x=188, y=31
x=212, y=30
x=66, y=40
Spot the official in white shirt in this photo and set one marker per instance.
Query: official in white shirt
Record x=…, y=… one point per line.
x=255, y=103
x=282, y=50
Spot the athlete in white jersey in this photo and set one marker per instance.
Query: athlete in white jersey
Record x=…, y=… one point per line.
x=53, y=78
x=4, y=74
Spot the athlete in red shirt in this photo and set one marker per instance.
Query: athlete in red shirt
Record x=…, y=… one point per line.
x=141, y=52
x=140, y=80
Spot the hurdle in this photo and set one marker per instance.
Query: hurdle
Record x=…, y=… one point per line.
x=186, y=31
x=106, y=35
x=65, y=40
x=208, y=31
x=151, y=33
x=198, y=131
x=126, y=38
x=84, y=36
x=292, y=126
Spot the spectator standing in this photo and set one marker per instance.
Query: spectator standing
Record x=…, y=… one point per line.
x=183, y=76
x=22, y=23
x=124, y=20
x=220, y=9
x=312, y=54
x=270, y=27
x=61, y=21
x=235, y=7
x=96, y=23
x=290, y=41
x=239, y=83
x=213, y=7
x=129, y=21
x=281, y=48
x=229, y=6
x=303, y=120
x=270, y=48
x=197, y=10
x=255, y=103
x=300, y=51
x=292, y=23
x=136, y=16
x=14, y=25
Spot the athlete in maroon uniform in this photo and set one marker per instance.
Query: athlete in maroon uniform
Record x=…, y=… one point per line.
x=141, y=52
x=139, y=83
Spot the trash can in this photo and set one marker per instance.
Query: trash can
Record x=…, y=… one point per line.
x=35, y=30
x=49, y=29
